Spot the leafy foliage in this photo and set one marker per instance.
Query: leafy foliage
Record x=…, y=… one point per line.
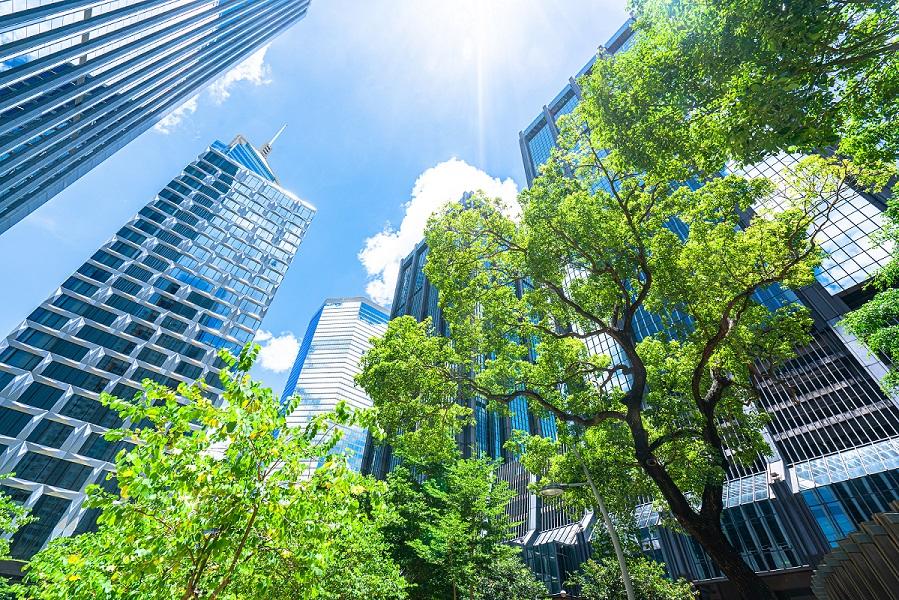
x=212, y=503
x=601, y=580
x=717, y=80
x=449, y=530
x=13, y=516
x=510, y=579
x=876, y=323
x=420, y=419
x=598, y=251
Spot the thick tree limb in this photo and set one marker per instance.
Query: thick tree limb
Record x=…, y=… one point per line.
x=673, y=436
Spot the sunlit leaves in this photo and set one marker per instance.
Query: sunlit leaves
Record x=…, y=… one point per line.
x=219, y=502
x=449, y=532
x=713, y=81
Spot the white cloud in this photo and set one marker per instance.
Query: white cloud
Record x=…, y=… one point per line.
x=174, y=118
x=437, y=186
x=277, y=352
x=253, y=70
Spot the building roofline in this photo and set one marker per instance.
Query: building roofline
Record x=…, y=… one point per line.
x=362, y=299
x=276, y=184
x=615, y=42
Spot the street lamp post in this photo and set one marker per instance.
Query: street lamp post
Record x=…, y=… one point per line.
x=559, y=488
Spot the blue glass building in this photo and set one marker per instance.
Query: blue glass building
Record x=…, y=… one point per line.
x=192, y=272
x=79, y=79
x=544, y=525
x=327, y=362
x=834, y=433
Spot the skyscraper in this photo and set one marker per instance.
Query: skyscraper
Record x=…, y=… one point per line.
x=328, y=360
x=553, y=543
x=834, y=433
x=415, y=296
x=79, y=79
x=194, y=271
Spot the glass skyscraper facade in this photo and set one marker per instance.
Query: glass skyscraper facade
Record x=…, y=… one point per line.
x=552, y=542
x=79, y=79
x=834, y=434
x=327, y=362
x=192, y=272
x=416, y=297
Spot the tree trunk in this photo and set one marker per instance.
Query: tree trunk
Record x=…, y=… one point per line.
x=704, y=526
x=708, y=532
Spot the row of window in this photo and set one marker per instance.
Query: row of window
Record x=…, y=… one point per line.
x=126, y=252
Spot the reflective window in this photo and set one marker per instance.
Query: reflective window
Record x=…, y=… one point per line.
x=94, y=272
x=40, y=395
x=29, y=539
x=138, y=272
x=52, y=471
x=540, y=144
x=100, y=448
x=127, y=286
x=566, y=105
x=853, y=256
x=112, y=365
x=19, y=358
x=76, y=377
x=107, y=340
x=50, y=433
x=91, y=411
x=151, y=356
x=12, y=421
x=188, y=370
x=48, y=318
x=173, y=324
x=39, y=339
x=84, y=309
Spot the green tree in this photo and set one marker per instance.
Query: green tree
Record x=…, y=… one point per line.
x=875, y=323
x=450, y=530
x=510, y=579
x=718, y=80
x=212, y=503
x=596, y=250
x=715, y=81
x=13, y=516
x=601, y=580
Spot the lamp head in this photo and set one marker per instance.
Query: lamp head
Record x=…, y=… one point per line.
x=552, y=490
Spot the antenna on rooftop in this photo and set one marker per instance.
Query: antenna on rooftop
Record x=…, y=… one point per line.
x=267, y=147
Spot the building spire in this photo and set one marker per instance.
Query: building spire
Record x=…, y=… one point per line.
x=267, y=147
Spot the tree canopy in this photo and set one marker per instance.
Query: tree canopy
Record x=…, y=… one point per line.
x=717, y=80
x=600, y=251
x=212, y=503
x=449, y=530
x=600, y=579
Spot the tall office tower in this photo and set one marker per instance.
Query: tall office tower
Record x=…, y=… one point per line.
x=834, y=433
x=323, y=373
x=545, y=530
x=194, y=271
x=79, y=79
x=416, y=297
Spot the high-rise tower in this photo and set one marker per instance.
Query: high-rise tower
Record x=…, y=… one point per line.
x=834, y=433
x=335, y=340
x=79, y=79
x=194, y=271
x=546, y=532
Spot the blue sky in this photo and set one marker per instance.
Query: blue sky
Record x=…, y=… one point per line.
x=375, y=94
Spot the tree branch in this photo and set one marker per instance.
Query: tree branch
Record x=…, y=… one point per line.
x=673, y=436
x=243, y=540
